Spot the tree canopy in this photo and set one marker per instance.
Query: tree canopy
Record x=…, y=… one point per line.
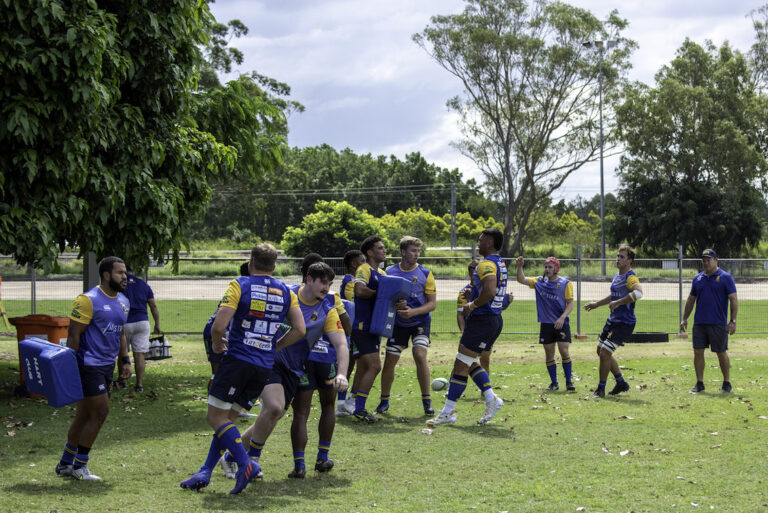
x=695, y=162
x=529, y=109
x=99, y=151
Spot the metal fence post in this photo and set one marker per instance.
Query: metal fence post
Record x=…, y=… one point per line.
x=32, y=290
x=578, y=290
x=680, y=286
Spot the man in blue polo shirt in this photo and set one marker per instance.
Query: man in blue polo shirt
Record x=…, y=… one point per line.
x=136, y=328
x=712, y=291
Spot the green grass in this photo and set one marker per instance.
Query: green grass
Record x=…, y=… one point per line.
x=549, y=452
x=653, y=315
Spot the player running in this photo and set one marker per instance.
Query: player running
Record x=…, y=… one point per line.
x=411, y=323
x=625, y=292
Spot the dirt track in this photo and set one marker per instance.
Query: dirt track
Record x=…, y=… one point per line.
x=446, y=289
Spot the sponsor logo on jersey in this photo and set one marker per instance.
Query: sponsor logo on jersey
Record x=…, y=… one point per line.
x=107, y=308
x=258, y=288
x=258, y=305
x=275, y=298
x=259, y=295
x=272, y=317
x=275, y=290
x=254, y=313
x=246, y=325
x=274, y=308
x=260, y=326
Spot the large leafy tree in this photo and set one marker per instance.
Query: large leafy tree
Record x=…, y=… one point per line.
x=99, y=151
x=695, y=162
x=529, y=109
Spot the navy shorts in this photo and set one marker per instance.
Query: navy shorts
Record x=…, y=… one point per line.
x=365, y=342
x=96, y=379
x=282, y=375
x=614, y=334
x=212, y=357
x=713, y=336
x=481, y=331
x=549, y=335
x=317, y=376
x=238, y=381
x=402, y=334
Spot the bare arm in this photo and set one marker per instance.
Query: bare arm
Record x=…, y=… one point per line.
x=297, y=331
x=220, y=324
x=734, y=302
x=460, y=320
x=427, y=307
x=521, y=279
x=595, y=304
x=76, y=329
x=125, y=360
x=687, y=311
x=486, y=294
x=626, y=299
x=346, y=323
x=568, y=308
x=155, y=313
x=363, y=292
x=342, y=360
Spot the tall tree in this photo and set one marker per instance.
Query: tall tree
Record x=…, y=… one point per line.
x=98, y=148
x=529, y=110
x=694, y=166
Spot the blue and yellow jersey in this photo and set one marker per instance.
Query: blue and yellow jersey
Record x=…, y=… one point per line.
x=461, y=301
x=261, y=304
x=551, y=297
x=323, y=351
x=423, y=283
x=320, y=317
x=104, y=316
x=492, y=265
x=347, y=289
x=369, y=277
x=622, y=285
x=711, y=293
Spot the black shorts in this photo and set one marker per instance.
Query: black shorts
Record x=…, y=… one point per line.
x=481, y=331
x=317, y=376
x=614, y=334
x=402, y=334
x=713, y=336
x=282, y=375
x=549, y=335
x=96, y=379
x=212, y=357
x=238, y=381
x=365, y=342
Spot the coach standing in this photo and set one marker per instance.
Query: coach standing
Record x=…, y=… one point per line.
x=96, y=335
x=140, y=295
x=712, y=290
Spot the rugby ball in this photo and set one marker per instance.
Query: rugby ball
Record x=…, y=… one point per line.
x=439, y=384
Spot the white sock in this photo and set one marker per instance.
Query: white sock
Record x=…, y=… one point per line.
x=449, y=407
x=489, y=395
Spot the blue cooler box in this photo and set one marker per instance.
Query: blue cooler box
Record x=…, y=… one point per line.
x=391, y=289
x=50, y=370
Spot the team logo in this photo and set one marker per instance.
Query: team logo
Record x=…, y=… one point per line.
x=419, y=330
x=610, y=335
x=717, y=280
x=557, y=286
x=415, y=279
x=107, y=308
x=313, y=317
x=562, y=335
x=125, y=310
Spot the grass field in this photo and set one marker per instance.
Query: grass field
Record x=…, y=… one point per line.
x=655, y=448
x=656, y=315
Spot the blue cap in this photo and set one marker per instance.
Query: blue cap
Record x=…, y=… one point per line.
x=709, y=253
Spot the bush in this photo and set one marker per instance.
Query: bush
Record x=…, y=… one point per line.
x=333, y=229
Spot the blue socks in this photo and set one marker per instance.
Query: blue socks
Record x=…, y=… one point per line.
x=456, y=387
x=68, y=456
x=619, y=378
x=298, y=460
x=552, y=369
x=360, y=400
x=254, y=449
x=322, y=450
x=567, y=370
x=229, y=437
x=481, y=379
x=214, y=454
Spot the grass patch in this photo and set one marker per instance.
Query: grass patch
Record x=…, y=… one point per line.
x=186, y=316
x=544, y=451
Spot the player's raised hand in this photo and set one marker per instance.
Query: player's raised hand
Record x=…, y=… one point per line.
x=519, y=261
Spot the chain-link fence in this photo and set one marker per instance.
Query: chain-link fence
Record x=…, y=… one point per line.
x=187, y=298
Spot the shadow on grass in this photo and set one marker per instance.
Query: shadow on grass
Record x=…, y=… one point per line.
x=498, y=430
x=68, y=486
x=270, y=493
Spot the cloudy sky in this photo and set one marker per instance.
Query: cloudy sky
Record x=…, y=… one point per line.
x=367, y=86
